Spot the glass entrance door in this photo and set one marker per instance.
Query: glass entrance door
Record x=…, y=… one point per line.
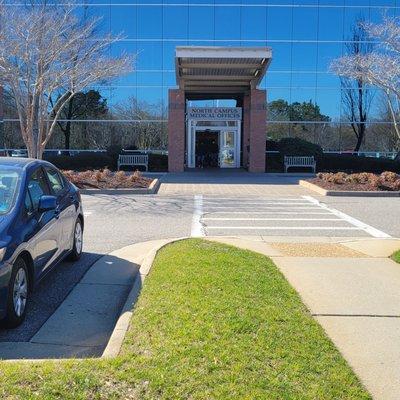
x=227, y=149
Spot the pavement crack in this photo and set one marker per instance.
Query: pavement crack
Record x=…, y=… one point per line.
x=64, y=344
x=358, y=315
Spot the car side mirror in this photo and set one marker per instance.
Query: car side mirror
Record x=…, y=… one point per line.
x=47, y=203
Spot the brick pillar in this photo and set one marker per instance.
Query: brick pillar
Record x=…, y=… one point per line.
x=257, y=135
x=176, y=130
x=246, y=131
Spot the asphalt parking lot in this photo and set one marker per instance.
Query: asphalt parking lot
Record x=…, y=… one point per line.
x=111, y=222
x=115, y=221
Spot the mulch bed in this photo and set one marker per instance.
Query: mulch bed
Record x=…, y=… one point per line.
x=368, y=182
x=106, y=179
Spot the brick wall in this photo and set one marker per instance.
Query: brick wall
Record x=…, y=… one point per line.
x=176, y=130
x=258, y=118
x=255, y=107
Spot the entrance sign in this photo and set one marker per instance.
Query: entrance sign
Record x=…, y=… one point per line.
x=214, y=113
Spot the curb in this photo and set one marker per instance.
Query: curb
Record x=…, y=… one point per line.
x=122, y=325
x=291, y=174
x=352, y=193
x=152, y=189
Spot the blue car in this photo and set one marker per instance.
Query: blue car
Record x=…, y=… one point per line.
x=41, y=223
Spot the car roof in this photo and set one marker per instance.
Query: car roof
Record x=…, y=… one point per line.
x=20, y=163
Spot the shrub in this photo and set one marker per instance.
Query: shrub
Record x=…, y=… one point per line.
x=339, y=177
x=331, y=162
x=98, y=175
x=106, y=179
x=351, y=163
x=103, y=161
x=274, y=163
x=299, y=147
x=272, y=145
x=136, y=175
x=158, y=162
x=386, y=181
x=362, y=177
x=389, y=176
x=82, y=161
x=106, y=173
x=113, y=152
x=120, y=175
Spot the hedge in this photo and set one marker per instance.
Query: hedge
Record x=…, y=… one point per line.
x=351, y=163
x=158, y=162
x=298, y=147
x=84, y=161
x=339, y=162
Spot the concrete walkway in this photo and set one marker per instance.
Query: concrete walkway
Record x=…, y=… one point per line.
x=226, y=182
x=352, y=289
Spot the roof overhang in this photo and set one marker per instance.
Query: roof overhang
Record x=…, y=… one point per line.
x=220, y=70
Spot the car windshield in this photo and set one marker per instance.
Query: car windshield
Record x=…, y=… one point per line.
x=8, y=187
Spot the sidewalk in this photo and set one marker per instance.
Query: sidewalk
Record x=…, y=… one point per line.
x=231, y=182
x=353, y=290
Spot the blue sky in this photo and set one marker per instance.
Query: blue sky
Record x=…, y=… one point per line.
x=304, y=36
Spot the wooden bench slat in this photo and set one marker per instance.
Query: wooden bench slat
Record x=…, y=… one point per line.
x=133, y=159
x=299, y=161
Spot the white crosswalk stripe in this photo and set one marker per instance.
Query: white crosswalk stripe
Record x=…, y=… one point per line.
x=290, y=216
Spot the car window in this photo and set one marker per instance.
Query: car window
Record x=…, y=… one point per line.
x=37, y=187
x=9, y=182
x=28, y=203
x=56, y=182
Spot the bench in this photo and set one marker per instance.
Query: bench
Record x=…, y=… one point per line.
x=133, y=159
x=300, y=161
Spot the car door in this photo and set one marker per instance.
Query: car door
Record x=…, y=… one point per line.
x=65, y=207
x=43, y=227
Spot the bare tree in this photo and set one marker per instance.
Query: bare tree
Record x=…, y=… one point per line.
x=357, y=96
x=144, y=127
x=47, y=52
x=380, y=67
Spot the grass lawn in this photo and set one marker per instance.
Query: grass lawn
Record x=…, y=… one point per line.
x=396, y=256
x=212, y=322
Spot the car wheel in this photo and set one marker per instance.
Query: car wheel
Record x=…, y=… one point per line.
x=76, y=251
x=18, y=295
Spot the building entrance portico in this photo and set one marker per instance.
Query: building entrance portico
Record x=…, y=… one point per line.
x=218, y=137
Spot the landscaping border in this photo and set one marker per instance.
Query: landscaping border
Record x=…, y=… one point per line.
x=353, y=193
x=291, y=174
x=122, y=325
x=152, y=189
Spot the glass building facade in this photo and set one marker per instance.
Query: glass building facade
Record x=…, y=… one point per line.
x=305, y=36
